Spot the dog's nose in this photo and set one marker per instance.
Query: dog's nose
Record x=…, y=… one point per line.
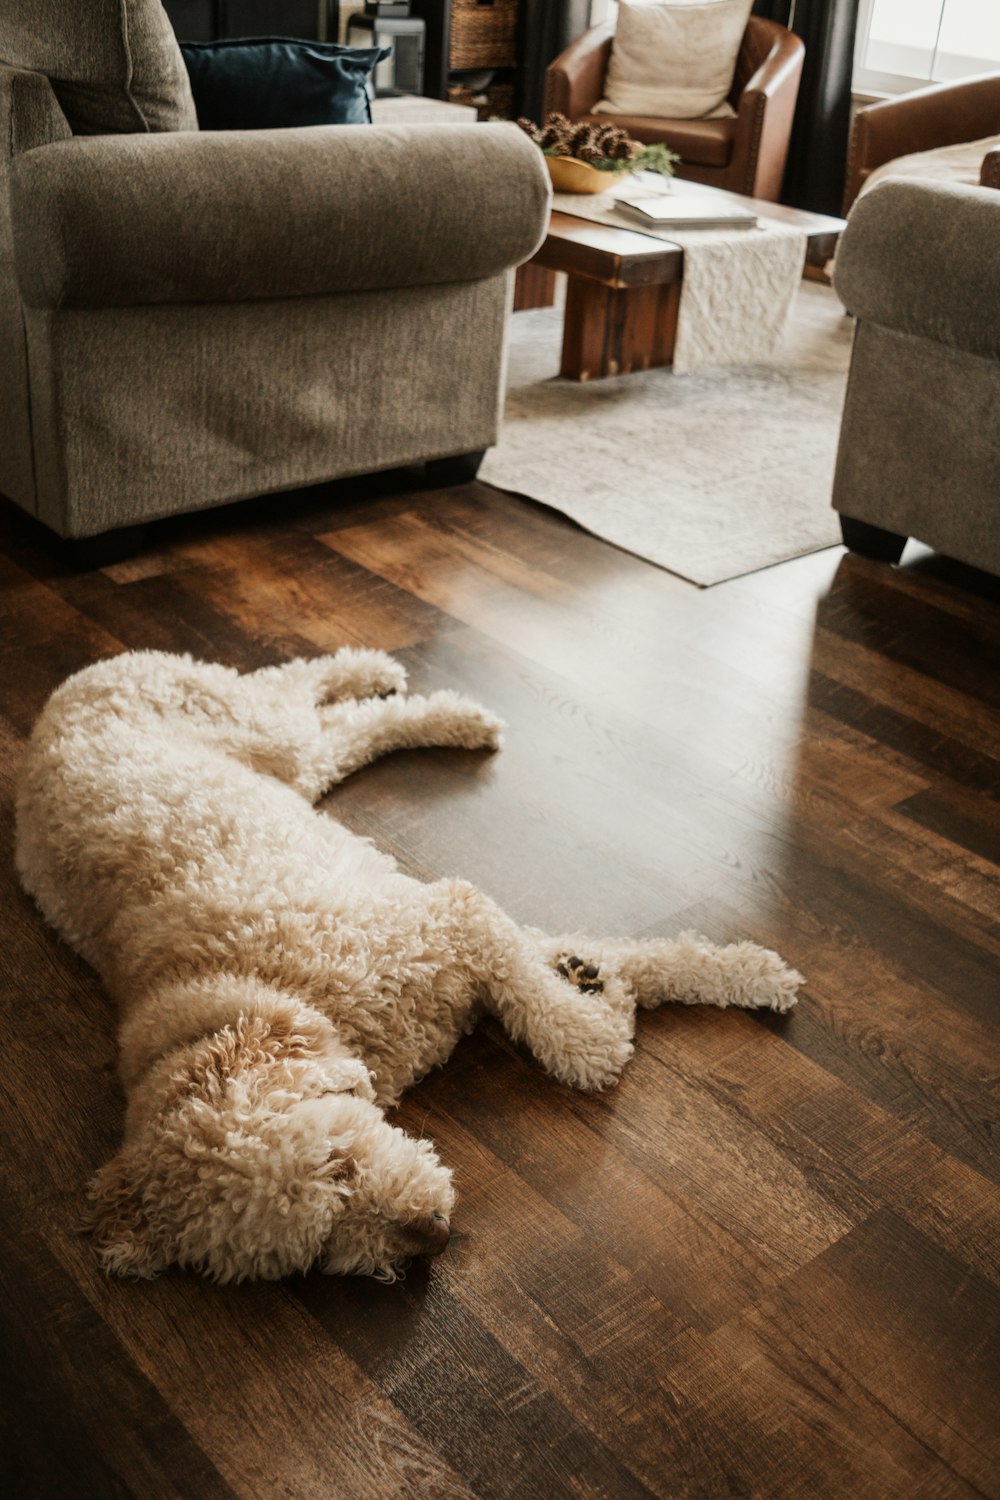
x=433, y=1236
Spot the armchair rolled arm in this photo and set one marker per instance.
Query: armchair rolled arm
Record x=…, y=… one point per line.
x=241, y=216
x=943, y=115
x=945, y=289
x=765, y=110
x=574, y=82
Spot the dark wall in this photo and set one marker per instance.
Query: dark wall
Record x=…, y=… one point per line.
x=203, y=20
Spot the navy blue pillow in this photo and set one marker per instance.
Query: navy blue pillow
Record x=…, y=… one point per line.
x=256, y=83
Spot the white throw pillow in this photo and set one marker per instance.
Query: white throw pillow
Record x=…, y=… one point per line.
x=673, y=61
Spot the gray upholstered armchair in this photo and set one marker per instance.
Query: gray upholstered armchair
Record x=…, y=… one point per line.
x=189, y=318
x=919, y=266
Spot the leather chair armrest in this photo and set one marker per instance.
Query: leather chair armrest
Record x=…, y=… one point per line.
x=989, y=175
x=780, y=65
x=943, y=115
x=764, y=115
x=202, y=217
x=574, y=82
x=923, y=258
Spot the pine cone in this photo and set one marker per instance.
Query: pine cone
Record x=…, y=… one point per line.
x=584, y=135
x=556, y=137
x=529, y=127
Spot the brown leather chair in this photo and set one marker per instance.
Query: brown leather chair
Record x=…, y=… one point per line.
x=746, y=154
x=945, y=114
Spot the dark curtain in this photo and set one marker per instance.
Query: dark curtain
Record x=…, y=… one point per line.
x=545, y=28
x=817, y=161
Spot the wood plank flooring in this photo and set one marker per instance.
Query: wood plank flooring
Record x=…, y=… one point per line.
x=768, y=1263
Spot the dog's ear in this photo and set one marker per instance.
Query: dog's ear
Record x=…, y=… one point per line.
x=117, y=1219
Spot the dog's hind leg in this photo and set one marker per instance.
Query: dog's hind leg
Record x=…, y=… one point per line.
x=352, y=734
x=353, y=672
x=687, y=969
x=579, y=1038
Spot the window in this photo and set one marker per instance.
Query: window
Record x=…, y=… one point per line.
x=905, y=43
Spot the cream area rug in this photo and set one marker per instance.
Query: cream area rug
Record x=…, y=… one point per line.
x=709, y=475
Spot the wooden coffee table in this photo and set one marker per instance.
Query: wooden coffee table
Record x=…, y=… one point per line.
x=624, y=287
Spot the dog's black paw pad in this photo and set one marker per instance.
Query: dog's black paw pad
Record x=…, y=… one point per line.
x=584, y=976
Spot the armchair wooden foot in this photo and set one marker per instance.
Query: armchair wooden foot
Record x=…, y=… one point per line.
x=872, y=541
x=84, y=554
x=442, y=473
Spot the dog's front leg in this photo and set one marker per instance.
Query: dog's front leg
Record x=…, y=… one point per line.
x=687, y=970
x=354, y=733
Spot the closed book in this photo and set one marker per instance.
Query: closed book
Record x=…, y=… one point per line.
x=689, y=212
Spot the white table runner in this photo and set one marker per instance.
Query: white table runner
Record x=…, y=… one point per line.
x=738, y=288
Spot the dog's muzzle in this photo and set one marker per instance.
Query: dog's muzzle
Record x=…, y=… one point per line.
x=430, y=1236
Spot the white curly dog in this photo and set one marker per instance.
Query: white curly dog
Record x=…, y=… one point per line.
x=280, y=982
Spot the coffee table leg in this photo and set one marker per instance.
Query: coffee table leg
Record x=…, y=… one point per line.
x=614, y=330
x=534, y=286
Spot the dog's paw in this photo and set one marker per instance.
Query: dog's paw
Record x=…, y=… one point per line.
x=592, y=1048
x=765, y=981
x=489, y=734
x=474, y=727
x=390, y=677
x=373, y=673
x=583, y=975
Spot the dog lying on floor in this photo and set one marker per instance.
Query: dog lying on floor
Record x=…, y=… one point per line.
x=280, y=982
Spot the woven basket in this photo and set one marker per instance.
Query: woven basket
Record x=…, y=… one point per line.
x=483, y=34
x=497, y=99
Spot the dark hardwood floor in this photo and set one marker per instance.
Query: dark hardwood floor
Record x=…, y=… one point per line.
x=768, y=1263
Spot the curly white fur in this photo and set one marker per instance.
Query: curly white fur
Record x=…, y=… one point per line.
x=280, y=982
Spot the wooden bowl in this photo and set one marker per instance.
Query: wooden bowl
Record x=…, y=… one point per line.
x=572, y=176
